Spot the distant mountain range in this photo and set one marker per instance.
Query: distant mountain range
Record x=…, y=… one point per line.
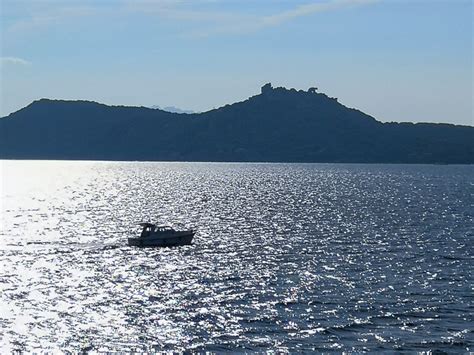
x=278, y=125
x=171, y=109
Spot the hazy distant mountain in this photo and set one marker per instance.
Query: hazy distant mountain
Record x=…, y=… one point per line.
x=276, y=125
x=172, y=109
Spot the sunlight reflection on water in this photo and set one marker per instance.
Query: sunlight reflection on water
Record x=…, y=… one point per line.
x=287, y=257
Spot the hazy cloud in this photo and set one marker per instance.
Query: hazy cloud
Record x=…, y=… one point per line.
x=212, y=21
x=232, y=22
x=179, y=10
x=14, y=60
x=50, y=15
x=308, y=9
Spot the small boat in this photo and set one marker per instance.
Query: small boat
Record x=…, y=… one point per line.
x=161, y=236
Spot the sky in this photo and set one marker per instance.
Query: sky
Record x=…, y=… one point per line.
x=396, y=60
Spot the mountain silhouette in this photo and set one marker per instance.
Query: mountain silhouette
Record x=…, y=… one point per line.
x=278, y=125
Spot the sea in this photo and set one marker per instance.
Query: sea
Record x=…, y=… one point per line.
x=287, y=257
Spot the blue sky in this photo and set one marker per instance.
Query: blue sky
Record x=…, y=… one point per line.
x=396, y=60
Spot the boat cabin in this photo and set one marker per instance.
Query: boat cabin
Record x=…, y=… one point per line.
x=150, y=228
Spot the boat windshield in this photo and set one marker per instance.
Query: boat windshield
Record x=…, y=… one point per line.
x=163, y=228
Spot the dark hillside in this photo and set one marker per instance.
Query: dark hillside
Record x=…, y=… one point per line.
x=277, y=125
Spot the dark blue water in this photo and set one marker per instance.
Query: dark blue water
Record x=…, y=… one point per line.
x=288, y=257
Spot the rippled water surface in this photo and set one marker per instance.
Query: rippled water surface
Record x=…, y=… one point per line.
x=287, y=257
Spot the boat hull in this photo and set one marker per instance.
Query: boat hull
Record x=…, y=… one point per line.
x=176, y=239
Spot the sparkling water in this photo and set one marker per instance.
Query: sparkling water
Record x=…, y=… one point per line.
x=288, y=257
